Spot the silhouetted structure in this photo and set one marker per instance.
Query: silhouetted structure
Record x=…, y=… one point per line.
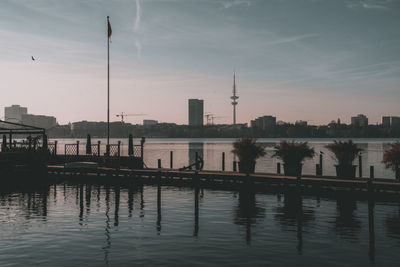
x=196, y=112
x=234, y=98
x=264, y=123
x=14, y=113
x=359, y=121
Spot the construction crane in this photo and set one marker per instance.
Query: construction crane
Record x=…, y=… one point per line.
x=216, y=117
x=122, y=115
x=208, y=116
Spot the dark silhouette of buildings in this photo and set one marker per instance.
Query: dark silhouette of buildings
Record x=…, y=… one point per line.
x=196, y=112
x=359, y=121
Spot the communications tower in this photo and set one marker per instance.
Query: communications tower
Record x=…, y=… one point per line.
x=234, y=97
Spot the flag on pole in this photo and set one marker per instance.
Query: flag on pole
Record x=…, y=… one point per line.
x=109, y=29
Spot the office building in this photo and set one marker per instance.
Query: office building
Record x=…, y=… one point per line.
x=359, y=121
x=264, y=123
x=14, y=113
x=390, y=121
x=386, y=121
x=395, y=121
x=41, y=121
x=196, y=112
x=19, y=114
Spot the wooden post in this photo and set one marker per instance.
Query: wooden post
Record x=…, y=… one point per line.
x=196, y=209
x=371, y=173
x=320, y=164
x=98, y=148
x=65, y=149
x=55, y=147
x=197, y=161
x=10, y=135
x=158, y=205
x=159, y=163
x=278, y=168
x=298, y=181
x=371, y=252
x=77, y=148
x=316, y=169
x=359, y=166
x=142, y=147
x=223, y=161
x=171, y=159
x=234, y=165
x=397, y=172
x=119, y=148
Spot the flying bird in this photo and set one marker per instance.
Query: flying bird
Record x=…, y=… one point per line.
x=33, y=58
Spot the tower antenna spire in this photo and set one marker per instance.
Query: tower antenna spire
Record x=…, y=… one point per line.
x=234, y=98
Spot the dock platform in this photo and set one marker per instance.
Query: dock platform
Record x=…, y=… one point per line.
x=171, y=176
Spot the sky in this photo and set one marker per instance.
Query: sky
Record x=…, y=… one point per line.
x=313, y=60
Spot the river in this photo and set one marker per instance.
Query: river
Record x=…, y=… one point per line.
x=69, y=224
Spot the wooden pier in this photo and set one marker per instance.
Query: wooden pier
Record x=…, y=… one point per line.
x=218, y=179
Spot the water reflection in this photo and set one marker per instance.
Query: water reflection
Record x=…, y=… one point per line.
x=248, y=212
x=88, y=197
x=107, y=233
x=196, y=211
x=141, y=202
x=32, y=201
x=117, y=192
x=392, y=225
x=80, y=204
x=135, y=198
x=371, y=230
x=346, y=224
x=158, y=208
x=294, y=214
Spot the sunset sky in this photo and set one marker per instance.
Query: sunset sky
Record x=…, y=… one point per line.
x=314, y=60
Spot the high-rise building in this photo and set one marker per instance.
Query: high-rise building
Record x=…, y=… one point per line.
x=359, y=121
x=18, y=114
x=196, y=112
x=264, y=123
x=395, y=121
x=14, y=113
x=386, y=121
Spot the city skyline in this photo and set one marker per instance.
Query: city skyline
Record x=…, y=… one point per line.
x=313, y=67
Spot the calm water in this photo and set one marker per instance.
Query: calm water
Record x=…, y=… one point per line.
x=211, y=150
x=83, y=224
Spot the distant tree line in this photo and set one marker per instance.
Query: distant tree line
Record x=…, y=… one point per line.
x=170, y=130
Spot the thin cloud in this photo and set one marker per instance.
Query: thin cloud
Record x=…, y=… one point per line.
x=232, y=3
x=136, y=28
x=138, y=48
x=292, y=39
x=138, y=16
x=369, y=4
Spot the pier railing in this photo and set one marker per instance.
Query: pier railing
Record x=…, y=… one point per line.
x=80, y=149
x=18, y=146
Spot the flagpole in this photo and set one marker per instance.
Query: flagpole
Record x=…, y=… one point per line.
x=108, y=88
